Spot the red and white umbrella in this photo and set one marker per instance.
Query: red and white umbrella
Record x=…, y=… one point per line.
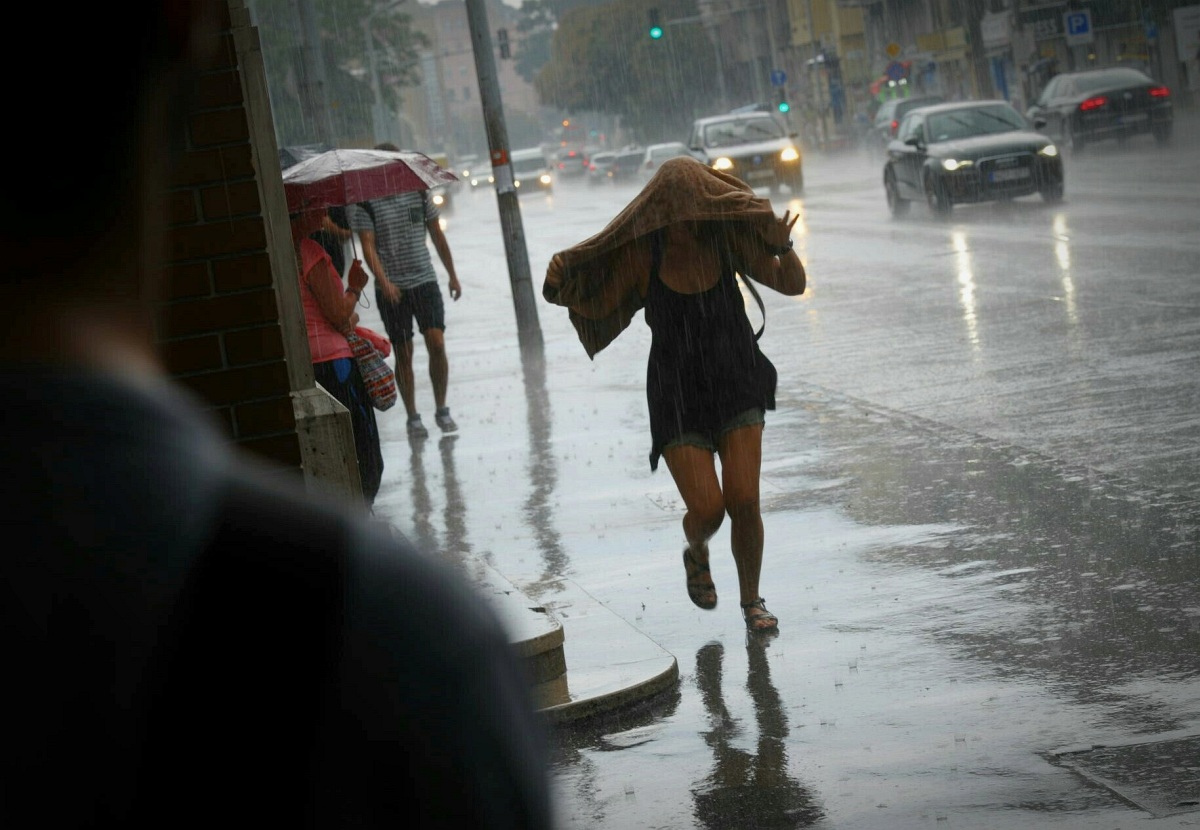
x=345, y=177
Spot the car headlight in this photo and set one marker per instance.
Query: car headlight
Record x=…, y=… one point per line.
x=1049, y=150
x=491, y=179
x=955, y=164
x=789, y=154
x=438, y=199
x=516, y=182
x=723, y=163
x=544, y=178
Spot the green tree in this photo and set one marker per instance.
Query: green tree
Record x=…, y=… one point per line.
x=347, y=68
x=536, y=25
x=602, y=59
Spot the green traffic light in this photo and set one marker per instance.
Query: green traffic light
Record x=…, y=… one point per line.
x=784, y=106
x=656, y=32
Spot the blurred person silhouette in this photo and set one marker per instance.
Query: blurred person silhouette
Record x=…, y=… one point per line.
x=393, y=231
x=329, y=316
x=676, y=250
x=190, y=641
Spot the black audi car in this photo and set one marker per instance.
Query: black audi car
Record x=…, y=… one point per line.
x=1078, y=108
x=973, y=151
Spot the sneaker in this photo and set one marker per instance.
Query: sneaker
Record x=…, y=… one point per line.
x=416, y=429
x=444, y=421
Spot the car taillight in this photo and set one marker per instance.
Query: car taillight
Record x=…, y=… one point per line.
x=895, y=124
x=1159, y=92
x=1094, y=103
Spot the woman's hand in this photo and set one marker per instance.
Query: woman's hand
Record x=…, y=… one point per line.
x=357, y=276
x=778, y=234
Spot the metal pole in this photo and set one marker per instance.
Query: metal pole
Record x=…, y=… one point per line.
x=376, y=95
x=529, y=333
x=813, y=62
x=313, y=73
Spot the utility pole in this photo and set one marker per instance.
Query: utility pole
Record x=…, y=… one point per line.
x=979, y=59
x=312, y=73
x=529, y=333
x=379, y=126
x=814, y=63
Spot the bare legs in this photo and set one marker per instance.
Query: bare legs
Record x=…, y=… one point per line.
x=439, y=369
x=736, y=495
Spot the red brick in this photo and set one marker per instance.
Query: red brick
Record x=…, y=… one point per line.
x=225, y=200
x=227, y=126
x=213, y=165
x=265, y=418
x=215, y=239
x=179, y=207
x=226, y=311
x=218, y=55
x=240, y=273
x=253, y=345
x=235, y=386
x=218, y=89
x=195, y=354
x=187, y=280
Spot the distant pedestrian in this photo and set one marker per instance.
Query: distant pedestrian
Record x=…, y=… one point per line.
x=675, y=250
x=329, y=317
x=393, y=232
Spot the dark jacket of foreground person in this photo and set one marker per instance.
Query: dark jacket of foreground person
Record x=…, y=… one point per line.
x=185, y=643
x=186, y=640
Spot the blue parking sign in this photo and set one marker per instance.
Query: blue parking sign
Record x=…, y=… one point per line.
x=1078, y=27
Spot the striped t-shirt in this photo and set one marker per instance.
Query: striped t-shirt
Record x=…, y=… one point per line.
x=399, y=226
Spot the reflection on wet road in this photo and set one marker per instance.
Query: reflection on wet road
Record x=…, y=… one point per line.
x=980, y=499
x=748, y=788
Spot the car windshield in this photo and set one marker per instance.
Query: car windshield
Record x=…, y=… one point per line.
x=530, y=165
x=664, y=153
x=741, y=131
x=965, y=123
x=1095, y=81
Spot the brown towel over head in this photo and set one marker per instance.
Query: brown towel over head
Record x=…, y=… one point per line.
x=682, y=190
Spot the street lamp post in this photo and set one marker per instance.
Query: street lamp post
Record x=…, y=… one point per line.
x=379, y=125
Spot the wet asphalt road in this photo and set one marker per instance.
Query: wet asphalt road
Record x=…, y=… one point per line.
x=980, y=499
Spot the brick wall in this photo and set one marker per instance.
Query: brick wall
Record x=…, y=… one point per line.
x=220, y=325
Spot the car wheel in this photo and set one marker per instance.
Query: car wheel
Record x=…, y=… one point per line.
x=897, y=205
x=936, y=196
x=1162, y=134
x=1052, y=193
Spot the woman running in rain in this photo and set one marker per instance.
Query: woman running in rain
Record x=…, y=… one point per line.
x=676, y=250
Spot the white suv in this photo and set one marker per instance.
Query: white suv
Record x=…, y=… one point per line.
x=752, y=146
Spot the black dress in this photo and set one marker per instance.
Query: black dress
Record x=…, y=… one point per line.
x=705, y=365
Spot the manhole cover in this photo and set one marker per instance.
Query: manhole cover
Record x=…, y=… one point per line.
x=1161, y=777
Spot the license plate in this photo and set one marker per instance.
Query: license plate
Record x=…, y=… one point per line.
x=1010, y=175
x=1133, y=117
x=760, y=174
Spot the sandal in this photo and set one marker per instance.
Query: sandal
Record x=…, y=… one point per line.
x=702, y=595
x=753, y=620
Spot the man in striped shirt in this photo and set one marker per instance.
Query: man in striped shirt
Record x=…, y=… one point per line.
x=392, y=230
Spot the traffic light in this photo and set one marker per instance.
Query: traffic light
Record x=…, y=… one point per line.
x=783, y=104
x=502, y=42
x=656, y=29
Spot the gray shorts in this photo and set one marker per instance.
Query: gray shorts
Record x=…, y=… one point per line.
x=710, y=440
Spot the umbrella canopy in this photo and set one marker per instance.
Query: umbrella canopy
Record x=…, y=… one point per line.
x=601, y=295
x=345, y=177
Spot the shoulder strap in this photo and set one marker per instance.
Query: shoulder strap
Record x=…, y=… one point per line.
x=762, y=309
x=727, y=256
